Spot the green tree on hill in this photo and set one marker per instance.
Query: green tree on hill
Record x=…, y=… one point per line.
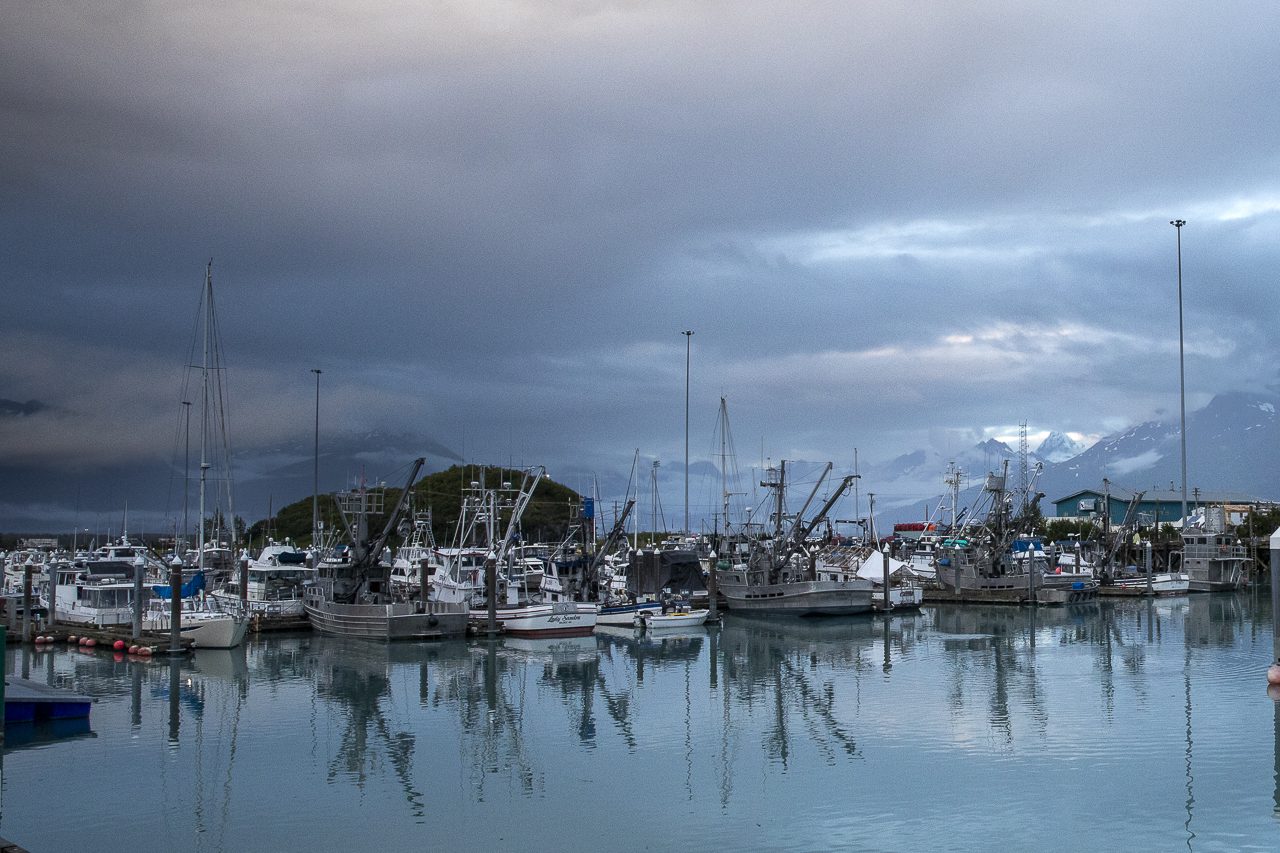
x=550, y=514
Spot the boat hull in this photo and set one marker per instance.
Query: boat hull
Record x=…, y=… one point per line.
x=799, y=598
x=284, y=608
x=394, y=621
x=1075, y=594
x=1163, y=583
x=668, y=621
x=225, y=633
x=564, y=619
x=625, y=614
x=1215, y=586
x=900, y=598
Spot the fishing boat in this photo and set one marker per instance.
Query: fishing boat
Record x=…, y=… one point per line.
x=983, y=563
x=549, y=610
x=416, y=560
x=1213, y=562
x=780, y=574
x=1118, y=566
x=1160, y=583
x=612, y=577
x=845, y=560
x=353, y=597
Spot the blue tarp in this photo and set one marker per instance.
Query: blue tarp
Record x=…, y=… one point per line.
x=190, y=588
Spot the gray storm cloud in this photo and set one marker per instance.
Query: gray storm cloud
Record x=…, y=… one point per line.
x=488, y=222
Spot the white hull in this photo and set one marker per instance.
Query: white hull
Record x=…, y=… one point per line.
x=205, y=632
x=565, y=619
x=1162, y=583
x=95, y=616
x=661, y=621
x=625, y=614
x=900, y=598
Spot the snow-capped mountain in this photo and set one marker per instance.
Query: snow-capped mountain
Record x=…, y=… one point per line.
x=1059, y=447
x=1233, y=448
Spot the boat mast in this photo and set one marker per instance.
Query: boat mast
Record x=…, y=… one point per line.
x=186, y=482
x=204, y=405
x=653, y=536
x=724, y=465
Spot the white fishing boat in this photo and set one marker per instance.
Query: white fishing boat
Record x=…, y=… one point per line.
x=548, y=611
x=1161, y=583
x=416, y=560
x=558, y=619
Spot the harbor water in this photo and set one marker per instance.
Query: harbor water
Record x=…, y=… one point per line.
x=1120, y=725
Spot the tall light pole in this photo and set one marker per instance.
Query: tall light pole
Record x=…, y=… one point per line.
x=688, y=342
x=315, y=483
x=1182, y=374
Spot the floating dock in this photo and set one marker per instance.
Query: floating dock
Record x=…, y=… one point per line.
x=27, y=701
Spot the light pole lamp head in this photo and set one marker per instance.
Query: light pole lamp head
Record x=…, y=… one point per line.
x=1177, y=223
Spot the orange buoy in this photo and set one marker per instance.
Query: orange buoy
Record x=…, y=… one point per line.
x=91, y=642
x=84, y=641
x=118, y=645
x=145, y=651
x=1273, y=674
x=133, y=650
x=71, y=638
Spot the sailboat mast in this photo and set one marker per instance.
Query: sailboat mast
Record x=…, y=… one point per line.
x=654, y=478
x=204, y=405
x=186, y=483
x=724, y=474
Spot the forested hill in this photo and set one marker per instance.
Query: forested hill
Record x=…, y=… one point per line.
x=550, y=513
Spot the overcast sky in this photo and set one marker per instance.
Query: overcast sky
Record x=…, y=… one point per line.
x=890, y=225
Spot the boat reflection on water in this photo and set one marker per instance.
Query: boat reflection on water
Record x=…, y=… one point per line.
x=1214, y=619
x=45, y=732
x=477, y=741
x=808, y=672
x=638, y=649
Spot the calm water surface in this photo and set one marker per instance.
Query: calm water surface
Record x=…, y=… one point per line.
x=1123, y=725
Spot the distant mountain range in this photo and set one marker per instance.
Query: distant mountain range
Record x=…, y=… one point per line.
x=1233, y=448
